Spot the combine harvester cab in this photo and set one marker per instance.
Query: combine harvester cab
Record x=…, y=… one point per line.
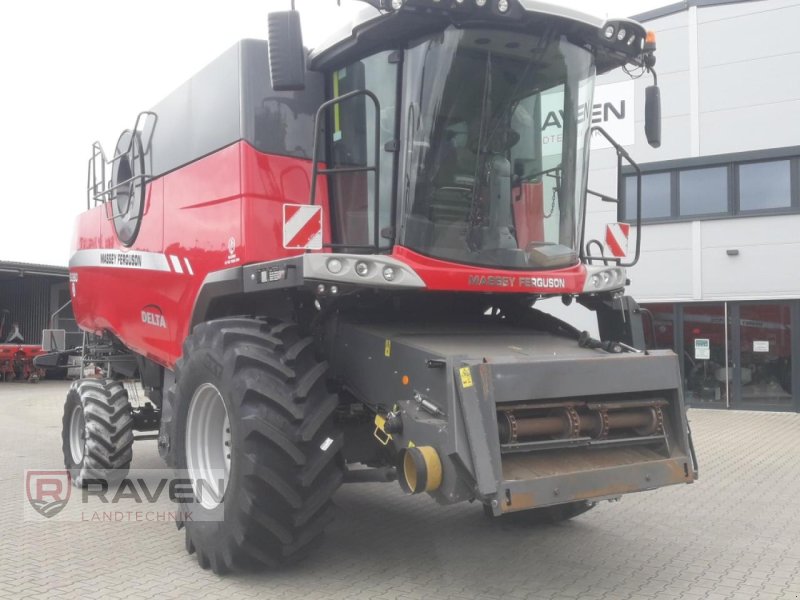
x=308, y=268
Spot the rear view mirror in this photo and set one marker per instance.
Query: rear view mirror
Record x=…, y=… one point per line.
x=286, y=53
x=652, y=115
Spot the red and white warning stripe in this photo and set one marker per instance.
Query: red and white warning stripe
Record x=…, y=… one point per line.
x=617, y=235
x=179, y=266
x=302, y=227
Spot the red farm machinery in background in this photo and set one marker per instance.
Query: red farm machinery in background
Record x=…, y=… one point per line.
x=16, y=362
x=16, y=357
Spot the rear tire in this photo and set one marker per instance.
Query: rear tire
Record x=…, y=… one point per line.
x=544, y=515
x=256, y=385
x=97, y=431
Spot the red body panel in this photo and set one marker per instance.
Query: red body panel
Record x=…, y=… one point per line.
x=222, y=211
x=191, y=216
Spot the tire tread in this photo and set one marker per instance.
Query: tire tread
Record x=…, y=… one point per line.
x=284, y=499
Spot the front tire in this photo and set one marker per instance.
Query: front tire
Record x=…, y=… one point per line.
x=97, y=431
x=251, y=401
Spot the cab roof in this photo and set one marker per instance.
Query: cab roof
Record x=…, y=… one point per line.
x=418, y=17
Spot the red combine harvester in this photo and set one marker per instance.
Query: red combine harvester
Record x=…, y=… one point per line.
x=322, y=268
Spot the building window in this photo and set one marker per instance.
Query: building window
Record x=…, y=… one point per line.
x=656, y=196
x=703, y=191
x=713, y=187
x=765, y=185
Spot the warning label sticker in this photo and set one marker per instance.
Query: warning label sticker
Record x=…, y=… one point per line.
x=466, y=377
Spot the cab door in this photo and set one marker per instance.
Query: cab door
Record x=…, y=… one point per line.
x=351, y=144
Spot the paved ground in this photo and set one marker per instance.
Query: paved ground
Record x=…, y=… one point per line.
x=735, y=534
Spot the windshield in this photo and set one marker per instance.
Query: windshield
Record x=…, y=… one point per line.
x=497, y=129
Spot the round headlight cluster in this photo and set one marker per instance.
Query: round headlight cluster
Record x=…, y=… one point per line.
x=619, y=33
x=362, y=268
x=607, y=279
x=502, y=6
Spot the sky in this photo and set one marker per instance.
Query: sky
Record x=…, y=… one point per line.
x=76, y=72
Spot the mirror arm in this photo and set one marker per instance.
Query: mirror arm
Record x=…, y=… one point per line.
x=655, y=75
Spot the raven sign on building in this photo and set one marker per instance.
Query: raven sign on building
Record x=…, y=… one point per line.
x=612, y=108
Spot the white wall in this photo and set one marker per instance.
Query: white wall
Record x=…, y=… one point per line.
x=749, y=60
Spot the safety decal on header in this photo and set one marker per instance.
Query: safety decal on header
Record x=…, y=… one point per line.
x=617, y=239
x=302, y=227
x=466, y=377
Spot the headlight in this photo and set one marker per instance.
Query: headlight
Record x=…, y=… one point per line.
x=362, y=268
x=388, y=273
x=609, y=31
x=502, y=6
x=335, y=266
x=397, y=4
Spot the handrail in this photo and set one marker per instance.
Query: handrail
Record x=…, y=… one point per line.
x=591, y=258
x=375, y=168
x=98, y=188
x=53, y=316
x=621, y=153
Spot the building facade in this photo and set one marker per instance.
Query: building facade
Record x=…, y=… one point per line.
x=718, y=272
x=36, y=297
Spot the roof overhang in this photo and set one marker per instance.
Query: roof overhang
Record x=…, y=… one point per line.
x=13, y=270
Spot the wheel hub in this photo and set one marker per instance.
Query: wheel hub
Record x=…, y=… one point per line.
x=208, y=445
x=77, y=435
